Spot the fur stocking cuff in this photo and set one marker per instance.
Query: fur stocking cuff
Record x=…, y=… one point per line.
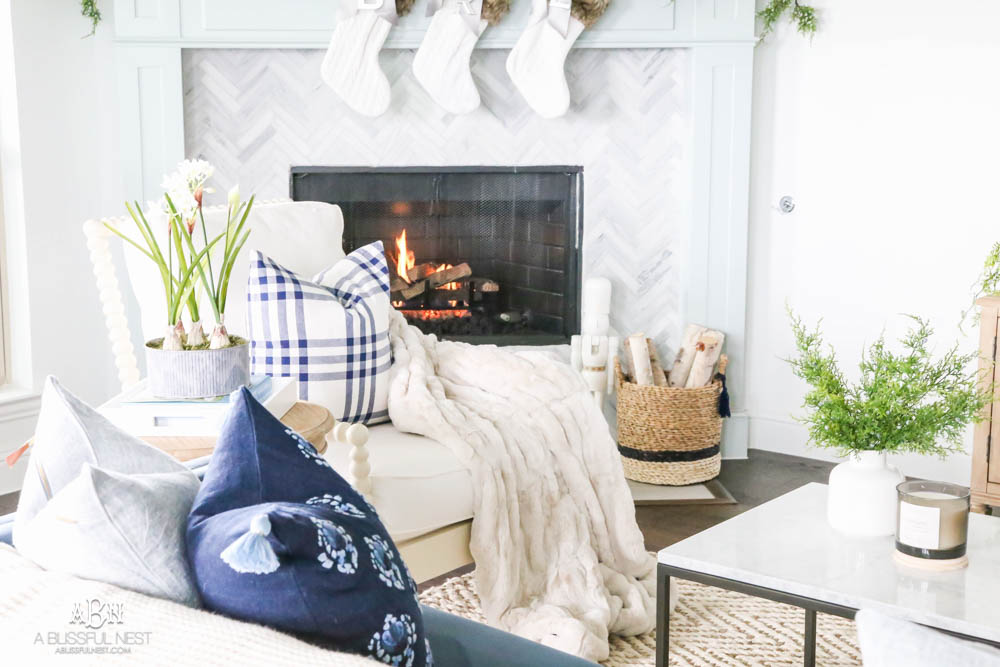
x=588, y=11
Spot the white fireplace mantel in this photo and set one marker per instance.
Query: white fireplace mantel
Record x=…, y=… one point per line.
x=309, y=23
x=150, y=35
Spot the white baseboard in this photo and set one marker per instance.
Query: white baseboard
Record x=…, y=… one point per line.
x=736, y=436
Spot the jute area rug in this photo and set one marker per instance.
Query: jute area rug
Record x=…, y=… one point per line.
x=710, y=626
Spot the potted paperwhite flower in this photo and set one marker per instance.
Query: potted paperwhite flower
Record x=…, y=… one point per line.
x=186, y=364
x=902, y=402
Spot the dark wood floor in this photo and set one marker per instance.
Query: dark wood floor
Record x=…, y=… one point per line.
x=753, y=481
x=8, y=503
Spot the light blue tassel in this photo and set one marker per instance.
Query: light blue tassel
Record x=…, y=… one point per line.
x=251, y=552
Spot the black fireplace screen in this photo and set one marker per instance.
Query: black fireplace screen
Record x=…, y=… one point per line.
x=490, y=254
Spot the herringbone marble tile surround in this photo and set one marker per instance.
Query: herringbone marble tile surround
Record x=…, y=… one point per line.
x=255, y=113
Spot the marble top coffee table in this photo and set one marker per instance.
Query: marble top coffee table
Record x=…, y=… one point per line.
x=785, y=551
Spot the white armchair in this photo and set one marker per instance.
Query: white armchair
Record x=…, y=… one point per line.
x=422, y=493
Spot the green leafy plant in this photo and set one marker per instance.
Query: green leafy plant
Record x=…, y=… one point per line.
x=89, y=9
x=904, y=401
x=804, y=16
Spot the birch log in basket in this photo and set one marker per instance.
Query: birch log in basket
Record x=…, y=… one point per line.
x=670, y=435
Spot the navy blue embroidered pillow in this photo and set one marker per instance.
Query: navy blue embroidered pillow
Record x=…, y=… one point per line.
x=330, y=331
x=277, y=537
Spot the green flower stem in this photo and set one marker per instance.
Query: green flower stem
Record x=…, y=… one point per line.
x=204, y=235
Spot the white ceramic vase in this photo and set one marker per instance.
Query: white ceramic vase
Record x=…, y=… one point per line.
x=862, y=495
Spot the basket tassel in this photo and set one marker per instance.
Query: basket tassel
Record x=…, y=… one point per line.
x=252, y=552
x=723, y=397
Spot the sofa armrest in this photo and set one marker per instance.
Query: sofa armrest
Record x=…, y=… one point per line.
x=459, y=642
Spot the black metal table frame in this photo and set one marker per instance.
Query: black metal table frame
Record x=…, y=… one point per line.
x=810, y=605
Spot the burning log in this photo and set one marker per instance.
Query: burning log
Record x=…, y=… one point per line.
x=397, y=284
x=485, y=285
x=411, y=291
x=450, y=298
x=420, y=271
x=433, y=281
x=449, y=275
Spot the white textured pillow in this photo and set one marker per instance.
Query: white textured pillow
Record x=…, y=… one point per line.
x=890, y=642
x=303, y=236
x=71, y=441
x=126, y=530
x=70, y=433
x=330, y=332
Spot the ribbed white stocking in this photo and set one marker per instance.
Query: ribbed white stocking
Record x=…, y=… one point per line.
x=442, y=61
x=536, y=65
x=351, y=65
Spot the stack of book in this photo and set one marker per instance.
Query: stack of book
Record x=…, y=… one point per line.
x=142, y=414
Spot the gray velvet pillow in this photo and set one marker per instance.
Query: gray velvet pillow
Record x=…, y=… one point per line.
x=101, y=504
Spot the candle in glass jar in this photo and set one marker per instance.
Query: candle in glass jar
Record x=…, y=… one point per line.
x=933, y=519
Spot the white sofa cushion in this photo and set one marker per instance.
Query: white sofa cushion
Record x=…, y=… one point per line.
x=305, y=237
x=890, y=642
x=418, y=485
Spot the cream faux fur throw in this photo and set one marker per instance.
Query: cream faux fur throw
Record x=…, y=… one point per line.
x=559, y=557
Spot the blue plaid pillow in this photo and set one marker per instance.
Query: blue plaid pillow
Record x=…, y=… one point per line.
x=277, y=537
x=330, y=332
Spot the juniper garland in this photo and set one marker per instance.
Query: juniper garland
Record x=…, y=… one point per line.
x=903, y=402
x=89, y=9
x=803, y=15
x=987, y=283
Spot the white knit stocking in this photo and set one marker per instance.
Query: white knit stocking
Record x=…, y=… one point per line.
x=442, y=61
x=536, y=64
x=351, y=64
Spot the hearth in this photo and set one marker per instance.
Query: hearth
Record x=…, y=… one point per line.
x=482, y=254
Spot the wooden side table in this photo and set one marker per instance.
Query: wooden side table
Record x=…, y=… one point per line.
x=985, y=479
x=313, y=422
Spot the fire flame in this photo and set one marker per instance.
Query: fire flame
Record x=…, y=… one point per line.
x=405, y=258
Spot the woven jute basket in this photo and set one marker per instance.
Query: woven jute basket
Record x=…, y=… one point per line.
x=670, y=435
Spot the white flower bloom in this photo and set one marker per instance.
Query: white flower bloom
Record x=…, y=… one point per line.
x=191, y=173
x=182, y=184
x=234, y=197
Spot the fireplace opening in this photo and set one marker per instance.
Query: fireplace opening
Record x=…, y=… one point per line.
x=481, y=254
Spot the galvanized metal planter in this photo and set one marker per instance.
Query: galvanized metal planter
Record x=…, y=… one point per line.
x=183, y=374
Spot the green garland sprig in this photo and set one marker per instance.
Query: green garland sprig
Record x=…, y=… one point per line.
x=803, y=15
x=89, y=9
